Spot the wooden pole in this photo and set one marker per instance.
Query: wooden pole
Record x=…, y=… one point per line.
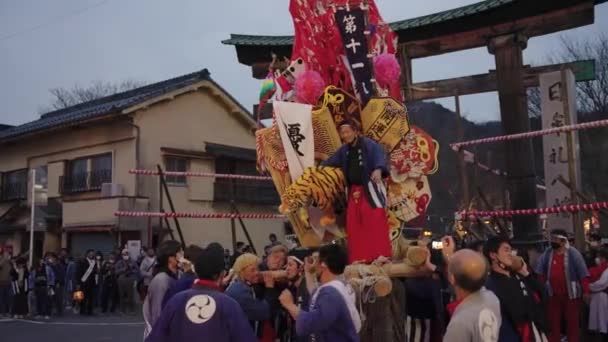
x=161, y=175
x=245, y=231
x=521, y=177
x=464, y=180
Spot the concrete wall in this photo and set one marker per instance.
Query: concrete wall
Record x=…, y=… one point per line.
x=54, y=149
x=186, y=123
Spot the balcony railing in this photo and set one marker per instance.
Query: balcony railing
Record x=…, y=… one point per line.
x=13, y=191
x=85, y=181
x=245, y=191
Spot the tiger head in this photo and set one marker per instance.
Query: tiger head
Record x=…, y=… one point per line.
x=294, y=198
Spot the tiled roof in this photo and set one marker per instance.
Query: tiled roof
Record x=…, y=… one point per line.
x=103, y=106
x=398, y=26
x=252, y=40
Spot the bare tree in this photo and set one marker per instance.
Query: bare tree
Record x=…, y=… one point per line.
x=64, y=97
x=592, y=95
x=534, y=109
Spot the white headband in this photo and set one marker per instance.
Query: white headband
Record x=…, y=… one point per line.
x=296, y=259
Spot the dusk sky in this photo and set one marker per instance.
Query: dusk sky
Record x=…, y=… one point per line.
x=60, y=43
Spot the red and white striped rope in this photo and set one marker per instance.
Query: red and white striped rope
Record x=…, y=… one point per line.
x=197, y=174
x=196, y=215
x=562, y=129
x=573, y=208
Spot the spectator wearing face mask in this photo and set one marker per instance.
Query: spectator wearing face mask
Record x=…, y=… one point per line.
x=563, y=269
x=109, y=292
x=5, y=283
x=592, y=252
x=57, y=300
x=523, y=313
x=169, y=255
x=98, y=279
x=188, y=276
x=126, y=271
x=146, y=271
x=20, y=287
x=598, y=300
x=43, y=280
x=87, y=273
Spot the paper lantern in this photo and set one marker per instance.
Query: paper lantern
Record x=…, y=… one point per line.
x=309, y=87
x=386, y=69
x=78, y=296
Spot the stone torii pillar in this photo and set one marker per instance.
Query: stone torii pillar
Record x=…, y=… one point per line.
x=521, y=179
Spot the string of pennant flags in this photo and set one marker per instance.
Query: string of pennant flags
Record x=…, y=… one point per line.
x=197, y=215
x=198, y=174
x=573, y=208
x=563, y=129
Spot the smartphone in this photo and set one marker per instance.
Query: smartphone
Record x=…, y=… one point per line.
x=437, y=245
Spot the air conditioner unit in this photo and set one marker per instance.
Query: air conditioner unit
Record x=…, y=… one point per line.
x=111, y=190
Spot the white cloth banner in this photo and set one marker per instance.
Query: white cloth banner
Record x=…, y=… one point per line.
x=295, y=125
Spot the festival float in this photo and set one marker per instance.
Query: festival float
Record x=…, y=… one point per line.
x=342, y=67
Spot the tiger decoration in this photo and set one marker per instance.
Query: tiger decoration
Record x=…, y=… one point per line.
x=321, y=185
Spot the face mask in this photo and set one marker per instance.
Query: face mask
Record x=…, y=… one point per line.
x=98, y=257
x=111, y=261
x=125, y=257
x=556, y=245
x=598, y=261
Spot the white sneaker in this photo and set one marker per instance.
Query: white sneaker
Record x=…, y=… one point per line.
x=47, y=317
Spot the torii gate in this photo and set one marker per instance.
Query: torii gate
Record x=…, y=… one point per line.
x=504, y=27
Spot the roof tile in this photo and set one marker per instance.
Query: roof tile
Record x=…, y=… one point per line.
x=253, y=40
x=103, y=106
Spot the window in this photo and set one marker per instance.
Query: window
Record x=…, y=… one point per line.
x=41, y=177
x=242, y=191
x=88, y=173
x=179, y=165
x=101, y=170
x=14, y=185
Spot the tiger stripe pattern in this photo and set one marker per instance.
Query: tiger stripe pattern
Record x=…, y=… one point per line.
x=321, y=185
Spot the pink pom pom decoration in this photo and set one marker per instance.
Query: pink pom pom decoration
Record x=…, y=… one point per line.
x=386, y=69
x=309, y=87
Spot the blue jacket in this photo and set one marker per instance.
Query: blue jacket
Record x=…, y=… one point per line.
x=183, y=283
x=256, y=309
x=201, y=314
x=374, y=157
x=49, y=275
x=328, y=319
x=576, y=270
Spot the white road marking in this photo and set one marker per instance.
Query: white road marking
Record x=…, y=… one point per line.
x=72, y=323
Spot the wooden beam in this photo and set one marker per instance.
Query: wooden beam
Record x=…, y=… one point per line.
x=483, y=83
x=266, y=111
x=260, y=70
x=564, y=19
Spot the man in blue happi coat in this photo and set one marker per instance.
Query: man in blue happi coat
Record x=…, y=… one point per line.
x=203, y=312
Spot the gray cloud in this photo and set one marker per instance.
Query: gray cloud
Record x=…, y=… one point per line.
x=152, y=40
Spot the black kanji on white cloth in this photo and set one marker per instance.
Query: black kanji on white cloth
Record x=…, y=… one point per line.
x=352, y=30
x=295, y=136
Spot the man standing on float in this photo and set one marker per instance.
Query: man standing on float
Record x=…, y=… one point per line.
x=363, y=162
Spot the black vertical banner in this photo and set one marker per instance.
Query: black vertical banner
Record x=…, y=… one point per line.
x=351, y=24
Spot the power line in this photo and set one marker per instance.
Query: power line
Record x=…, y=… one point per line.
x=54, y=20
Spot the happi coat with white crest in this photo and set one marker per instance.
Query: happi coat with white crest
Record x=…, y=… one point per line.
x=366, y=222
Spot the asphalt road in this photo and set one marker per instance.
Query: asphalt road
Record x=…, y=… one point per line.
x=74, y=328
